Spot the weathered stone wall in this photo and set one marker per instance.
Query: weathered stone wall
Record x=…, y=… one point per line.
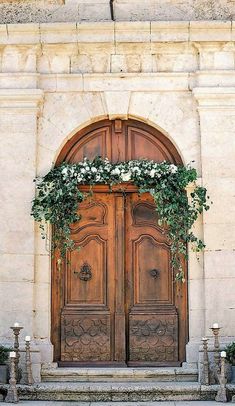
x=57, y=78
x=23, y=11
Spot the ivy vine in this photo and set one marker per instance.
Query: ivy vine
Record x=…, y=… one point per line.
x=58, y=197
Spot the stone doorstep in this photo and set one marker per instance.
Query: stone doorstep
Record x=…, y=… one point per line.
x=119, y=374
x=114, y=392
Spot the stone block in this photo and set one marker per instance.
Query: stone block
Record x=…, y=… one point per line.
x=166, y=31
x=95, y=104
x=18, y=59
x=99, y=11
x=95, y=32
x=117, y=104
x=22, y=314
x=100, y=48
x=125, y=63
x=138, y=31
x=61, y=33
x=196, y=294
x=19, y=294
x=136, y=48
x=219, y=236
x=219, y=264
x=54, y=63
x=43, y=270
x=224, y=60
x=16, y=267
x=210, y=31
x=23, y=33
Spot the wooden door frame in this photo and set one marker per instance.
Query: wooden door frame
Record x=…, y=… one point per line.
x=56, y=279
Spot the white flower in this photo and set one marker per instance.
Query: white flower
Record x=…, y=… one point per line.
x=152, y=173
x=65, y=171
x=93, y=169
x=126, y=176
x=82, y=170
x=173, y=168
x=87, y=168
x=115, y=171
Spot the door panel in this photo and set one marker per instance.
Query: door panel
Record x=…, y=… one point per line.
x=152, y=318
x=87, y=327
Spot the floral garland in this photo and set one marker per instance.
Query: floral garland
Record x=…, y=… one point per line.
x=58, y=197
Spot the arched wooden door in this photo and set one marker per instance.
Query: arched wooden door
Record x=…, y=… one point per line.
x=115, y=301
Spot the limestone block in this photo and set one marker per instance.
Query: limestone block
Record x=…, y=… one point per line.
x=45, y=160
x=224, y=60
x=196, y=294
x=90, y=63
x=95, y=32
x=176, y=59
x=43, y=270
x=42, y=296
x=134, y=32
x=18, y=294
x=22, y=314
x=219, y=236
x=136, y=82
x=166, y=31
x=47, y=82
x=95, y=104
x=125, y=63
x=69, y=83
x=195, y=263
x=219, y=264
x=99, y=48
x=221, y=191
x=129, y=11
x=42, y=246
x=3, y=34
x=210, y=31
x=136, y=48
x=196, y=323
x=63, y=116
x=23, y=33
x=18, y=80
x=42, y=325
x=117, y=104
x=221, y=78
x=54, y=63
x=52, y=33
x=220, y=304
x=17, y=267
x=99, y=11
x=19, y=59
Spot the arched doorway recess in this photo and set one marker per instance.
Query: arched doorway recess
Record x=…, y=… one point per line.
x=115, y=301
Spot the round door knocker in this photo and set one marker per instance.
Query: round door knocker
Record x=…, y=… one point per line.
x=85, y=273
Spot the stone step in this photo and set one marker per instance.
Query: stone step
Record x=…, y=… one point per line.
x=119, y=374
x=117, y=391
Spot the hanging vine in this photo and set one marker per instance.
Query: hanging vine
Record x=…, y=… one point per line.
x=58, y=197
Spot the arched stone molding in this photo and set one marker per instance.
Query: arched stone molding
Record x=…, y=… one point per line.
x=63, y=115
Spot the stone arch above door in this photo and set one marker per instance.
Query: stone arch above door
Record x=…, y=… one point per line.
x=119, y=140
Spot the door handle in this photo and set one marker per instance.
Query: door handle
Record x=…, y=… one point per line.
x=154, y=273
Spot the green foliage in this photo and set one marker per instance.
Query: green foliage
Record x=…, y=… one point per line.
x=4, y=354
x=58, y=197
x=230, y=353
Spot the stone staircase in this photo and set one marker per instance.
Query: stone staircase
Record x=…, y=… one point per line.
x=118, y=385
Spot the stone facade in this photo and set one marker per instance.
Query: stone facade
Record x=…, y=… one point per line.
x=56, y=79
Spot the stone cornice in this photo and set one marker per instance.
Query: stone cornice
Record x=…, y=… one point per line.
x=118, y=32
x=25, y=99
x=215, y=98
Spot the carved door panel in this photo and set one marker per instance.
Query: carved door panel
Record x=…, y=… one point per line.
x=152, y=318
x=87, y=314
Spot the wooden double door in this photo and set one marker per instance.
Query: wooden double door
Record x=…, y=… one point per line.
x=115, y=301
